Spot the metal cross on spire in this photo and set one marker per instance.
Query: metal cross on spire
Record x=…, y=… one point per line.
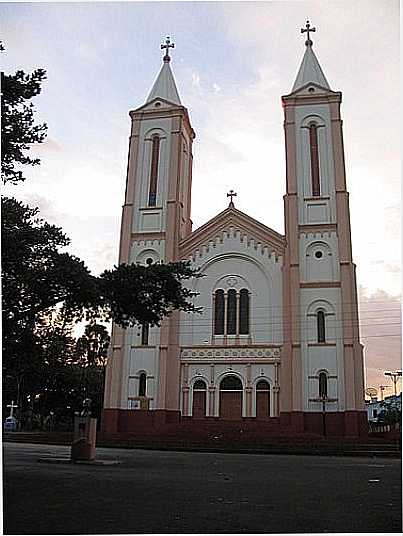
x=308, y=29
x=231, y=194
x=167, y=46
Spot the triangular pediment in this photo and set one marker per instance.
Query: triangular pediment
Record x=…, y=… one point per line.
x=158, y=103
x=312, y=89
x=232, y=220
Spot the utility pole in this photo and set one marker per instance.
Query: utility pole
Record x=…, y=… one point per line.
x=394, y=376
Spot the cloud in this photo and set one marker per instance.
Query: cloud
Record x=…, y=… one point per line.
x=195, y=80
x=381, y=334
x=216, y=88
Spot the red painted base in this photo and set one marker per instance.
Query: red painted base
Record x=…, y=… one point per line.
x=338, y=424
x=115, y=421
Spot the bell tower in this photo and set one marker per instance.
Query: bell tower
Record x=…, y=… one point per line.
x=323, y=361
x=155, y=217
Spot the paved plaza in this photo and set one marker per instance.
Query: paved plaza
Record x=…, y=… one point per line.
x=188, y=492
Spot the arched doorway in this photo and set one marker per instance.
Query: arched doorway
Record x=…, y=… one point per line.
x=231, y=398
x=262, y=399
x=199, y=399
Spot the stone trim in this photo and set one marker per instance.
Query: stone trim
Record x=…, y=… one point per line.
x=317, y=197
x=141, y=237
x=321, y=284
x=246, y=352
x=321, y=344
x=231, y=360
x=316, y=227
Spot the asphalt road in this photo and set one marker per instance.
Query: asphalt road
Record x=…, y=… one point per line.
x=185, y=492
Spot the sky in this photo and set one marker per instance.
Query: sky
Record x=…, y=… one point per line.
x=232, y=63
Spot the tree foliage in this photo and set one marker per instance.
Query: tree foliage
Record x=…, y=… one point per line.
x=92, y=346
x=19, y=130
x=37, y=276
x=145, y=294
x=390, y=413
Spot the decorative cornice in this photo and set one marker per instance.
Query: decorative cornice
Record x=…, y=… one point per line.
x=299, y=98
x=144, y=236
x=332, y=344
x=148, y=112
x=320, y=284
x=229, y=352
x=317, y=197
x=317, y=227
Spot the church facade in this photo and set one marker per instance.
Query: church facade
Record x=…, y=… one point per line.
x=278, y=339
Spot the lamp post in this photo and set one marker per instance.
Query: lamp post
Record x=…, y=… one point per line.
x=382, y=389
x=394, y=376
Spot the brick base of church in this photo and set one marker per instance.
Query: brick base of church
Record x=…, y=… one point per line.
x=160, y=422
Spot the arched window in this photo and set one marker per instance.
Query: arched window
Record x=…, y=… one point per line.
x=262, y=385
x=244, y=312
x=322, y=384
x=231, y=383
x=155, y=153
x=145, y=328
x=142, y=384
x=313, y=142
x=199, y=385
x=219, y=313
x=231, y=312
x=321, y=327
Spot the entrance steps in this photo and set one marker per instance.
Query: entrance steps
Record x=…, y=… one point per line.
x=227, y=439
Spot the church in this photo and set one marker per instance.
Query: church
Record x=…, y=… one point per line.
x=277, y=343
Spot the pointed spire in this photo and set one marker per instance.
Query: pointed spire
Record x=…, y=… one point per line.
x=310, y=70
x=164, y=86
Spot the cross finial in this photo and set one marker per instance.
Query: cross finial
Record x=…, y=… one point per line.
x=231, y=194
x=167, y=46
x=308, y=29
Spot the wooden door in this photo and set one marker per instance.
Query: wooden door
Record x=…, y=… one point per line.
x=199, y=404
x=262, y=400
x=231, y=405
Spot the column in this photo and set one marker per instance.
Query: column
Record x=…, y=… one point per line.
x=276, y=391
x=185, y=390
x=248, y=390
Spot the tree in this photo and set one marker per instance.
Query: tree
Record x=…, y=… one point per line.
x=37, y=276
x=134, y=294
x=18, y=128
x=390, y=413
x=92, y=346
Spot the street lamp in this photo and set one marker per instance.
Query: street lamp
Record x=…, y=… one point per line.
x=394, y=377
x=382, y=389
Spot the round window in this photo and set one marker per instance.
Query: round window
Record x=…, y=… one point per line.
x=318, y=254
